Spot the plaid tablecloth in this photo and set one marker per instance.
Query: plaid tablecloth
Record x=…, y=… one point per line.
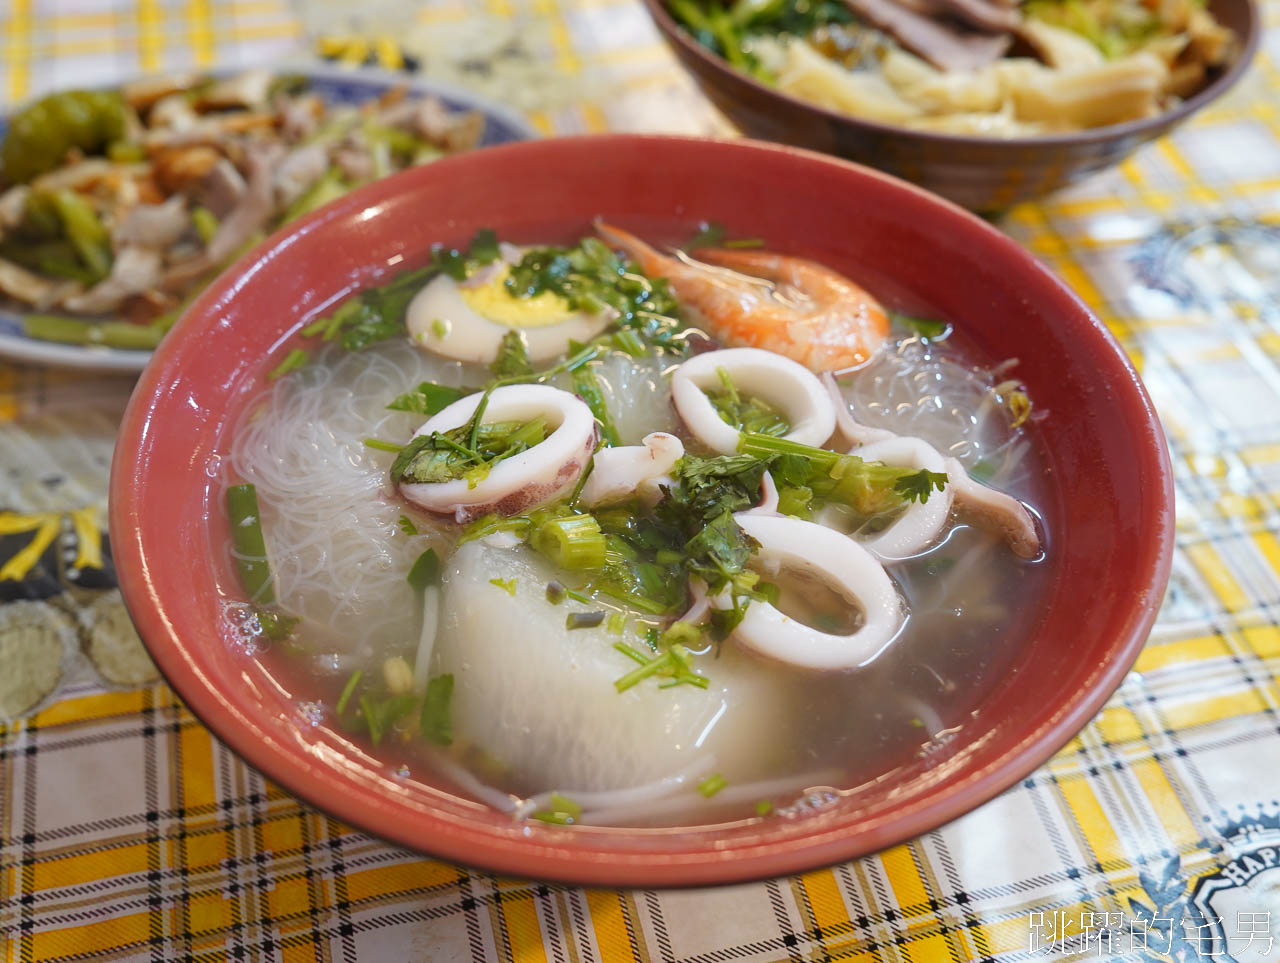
x=128, y=832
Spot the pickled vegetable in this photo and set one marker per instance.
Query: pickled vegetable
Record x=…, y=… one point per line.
x=41, y=134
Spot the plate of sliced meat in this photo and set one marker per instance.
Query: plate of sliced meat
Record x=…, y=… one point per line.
x=118, y=205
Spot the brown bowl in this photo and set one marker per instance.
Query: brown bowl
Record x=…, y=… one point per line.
x=981, y=173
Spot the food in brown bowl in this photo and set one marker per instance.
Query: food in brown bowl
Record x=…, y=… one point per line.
x=984, y=101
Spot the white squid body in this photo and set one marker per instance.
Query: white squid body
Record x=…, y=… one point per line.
x=787, y=385
x=808, y=549
x=524, y=481
x=921, y=523
x=541, y=700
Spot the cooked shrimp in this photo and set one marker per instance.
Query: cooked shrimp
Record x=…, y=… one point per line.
x=786, y=305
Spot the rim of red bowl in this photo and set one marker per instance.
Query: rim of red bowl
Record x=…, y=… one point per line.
x=1212, y=91
x=567, y=854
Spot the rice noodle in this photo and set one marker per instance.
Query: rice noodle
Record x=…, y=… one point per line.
x=765, y=790
x=337, y=553
x=632, y=796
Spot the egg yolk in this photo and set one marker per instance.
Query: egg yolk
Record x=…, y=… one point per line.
x=492, y=300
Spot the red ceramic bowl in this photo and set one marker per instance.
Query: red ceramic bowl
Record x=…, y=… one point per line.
x=981, y=173
x=1108, y=504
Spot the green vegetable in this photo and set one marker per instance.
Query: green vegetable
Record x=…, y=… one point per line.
x=407, y=526
x=41, y=134
x=933, y=330
x=329, y=187
x=377, y=444
x=712, y=785
x=572, y=542
x=348, y=690
x=513, y=357
x=869, y=488
x=113, y=334
x=276, y=626
x=764, y=807
x=381, y=715
x=85, y=231
x=673, y=663
x=728, y=30
x=745, y=414
x=250, y=547
x=436, y=721
x=591, y=278
x=587, y=385
x=425, y=570
x=126, y=152
x=562, y=811
x=469, y=451
x=555, y=592
x=629, y=342
x=295, y=359
x=507, y=585
x=206, y=223
x=918, y=486
x=428, y=399
x=55, y=258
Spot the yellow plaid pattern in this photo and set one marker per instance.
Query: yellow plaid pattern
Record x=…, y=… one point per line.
x=128, y=832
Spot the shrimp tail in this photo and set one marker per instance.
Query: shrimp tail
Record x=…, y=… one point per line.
x=644, y=254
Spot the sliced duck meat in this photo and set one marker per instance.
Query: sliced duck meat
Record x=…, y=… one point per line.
x=251, y=214
x=221, y=189
x=983, y=15
x=944, y=46
x=153, y=225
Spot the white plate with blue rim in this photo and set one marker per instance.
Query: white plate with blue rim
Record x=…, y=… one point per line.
x=338, y=87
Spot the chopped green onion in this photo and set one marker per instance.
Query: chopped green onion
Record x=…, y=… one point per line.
x=583, y=620
x=634, y=654
x=347, y=691
x=764, y=807
x=744, y=242
x=617, y=623
x=425, y=570
x=712, y=785
x=436, y=723
x=379, y=445
x=250, y=546
x=572, y=542
x=294, y=360
x=555, y=592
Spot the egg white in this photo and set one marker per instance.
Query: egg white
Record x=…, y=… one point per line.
x=467, y=323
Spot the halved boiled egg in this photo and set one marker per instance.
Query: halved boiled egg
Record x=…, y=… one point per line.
x=467, y=320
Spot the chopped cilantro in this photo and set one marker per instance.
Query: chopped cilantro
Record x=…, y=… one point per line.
x=507, y=585
x=918, y=486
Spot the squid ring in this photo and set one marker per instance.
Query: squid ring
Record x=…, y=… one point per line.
x=805, y=547
x=916, y=528
x=531, y=478
x=787, y=385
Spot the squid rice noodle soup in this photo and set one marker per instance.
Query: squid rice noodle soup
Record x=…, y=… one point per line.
x=605, y=535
